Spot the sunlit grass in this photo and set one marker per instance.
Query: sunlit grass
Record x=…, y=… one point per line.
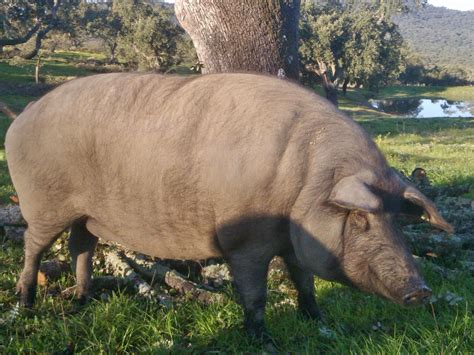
x=450, y=93
x=54, y=68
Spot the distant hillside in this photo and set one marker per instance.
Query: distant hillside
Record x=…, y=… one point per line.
x=440, y=36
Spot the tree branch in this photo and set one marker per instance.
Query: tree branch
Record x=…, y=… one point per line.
x=42, y=33
x=7, y=111
x=22, y=39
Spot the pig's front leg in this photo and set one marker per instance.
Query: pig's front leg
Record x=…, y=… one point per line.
x=304, y=283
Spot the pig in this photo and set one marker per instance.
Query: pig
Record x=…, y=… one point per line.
x=241, y=166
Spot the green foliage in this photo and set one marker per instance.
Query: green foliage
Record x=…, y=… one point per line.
x=357, y=46
x=420, y=72
x=324, y=31
x=148, y=37
x=99, y=21
x=22, y=20
x=137, y=34
x=373, y=55
x=441, y=37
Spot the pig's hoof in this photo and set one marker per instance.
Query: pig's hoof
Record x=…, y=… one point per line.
x=83, y=299
x=312, y=314
x=26, y=296
x=268, y=344
x=264, y=339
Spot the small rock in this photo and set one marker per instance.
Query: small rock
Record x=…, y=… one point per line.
x=377, y=326
x=452, y=298
x=216, y=274
x=287, y=301
x=11, y=215
x=327, y=332
x=165, y=301
x=469, y=265
x=14, y=234
x=449, y=297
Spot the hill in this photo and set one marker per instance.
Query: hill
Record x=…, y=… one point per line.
x=440, y=36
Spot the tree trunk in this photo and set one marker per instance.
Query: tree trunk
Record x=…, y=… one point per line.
x=22, y=39
x=344, y=86
x=42, y=34
x=38, y=43
x=247, y=35
x=329, y=88
x=328, y=85
x=113, y=49
x=37, y=70
x=9, y=113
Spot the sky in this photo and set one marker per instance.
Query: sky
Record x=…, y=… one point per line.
x=454, y=4
x=450, y=4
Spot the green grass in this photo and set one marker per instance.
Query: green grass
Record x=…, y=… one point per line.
x=54, y=68
x=122, y=322
x=126, y=323
x=449, y=93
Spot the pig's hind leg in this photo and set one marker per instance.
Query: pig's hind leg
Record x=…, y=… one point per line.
x=82, y=244
x=38, y=239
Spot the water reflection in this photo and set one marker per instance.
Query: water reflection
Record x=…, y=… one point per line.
x=422, y=108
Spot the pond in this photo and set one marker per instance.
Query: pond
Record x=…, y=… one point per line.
x=423, y=108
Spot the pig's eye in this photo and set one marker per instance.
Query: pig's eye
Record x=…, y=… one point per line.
x=359, y=220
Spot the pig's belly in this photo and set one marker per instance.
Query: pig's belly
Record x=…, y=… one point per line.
x=166, y=245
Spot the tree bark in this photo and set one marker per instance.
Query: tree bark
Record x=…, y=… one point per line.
x=329, y=88
x=247, y=35
x=344, y=86
x=42, y=33
x=328, y=85
x=7, y=111
x=37, y=70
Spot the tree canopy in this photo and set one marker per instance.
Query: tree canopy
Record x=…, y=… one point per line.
x=21, y=20
x=343, y=46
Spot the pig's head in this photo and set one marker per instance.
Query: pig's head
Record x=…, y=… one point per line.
x=375, y=256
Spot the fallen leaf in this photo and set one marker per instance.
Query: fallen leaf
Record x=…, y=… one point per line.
x=42, y=280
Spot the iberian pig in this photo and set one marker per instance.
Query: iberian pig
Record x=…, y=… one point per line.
x=239, y=166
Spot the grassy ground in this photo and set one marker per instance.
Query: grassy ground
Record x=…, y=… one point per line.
x=449, y=93
x=355, y=322
x=54, y=68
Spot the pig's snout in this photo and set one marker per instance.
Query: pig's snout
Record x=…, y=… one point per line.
x=421, y=294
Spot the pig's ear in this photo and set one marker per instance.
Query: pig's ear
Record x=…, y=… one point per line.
x=353, y=193
x=427, y=206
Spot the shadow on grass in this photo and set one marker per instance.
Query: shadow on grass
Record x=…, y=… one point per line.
x=125, y=323
x=352, y=319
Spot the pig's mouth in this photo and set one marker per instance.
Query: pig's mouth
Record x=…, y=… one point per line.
x=420, y=295
x=378, y=286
